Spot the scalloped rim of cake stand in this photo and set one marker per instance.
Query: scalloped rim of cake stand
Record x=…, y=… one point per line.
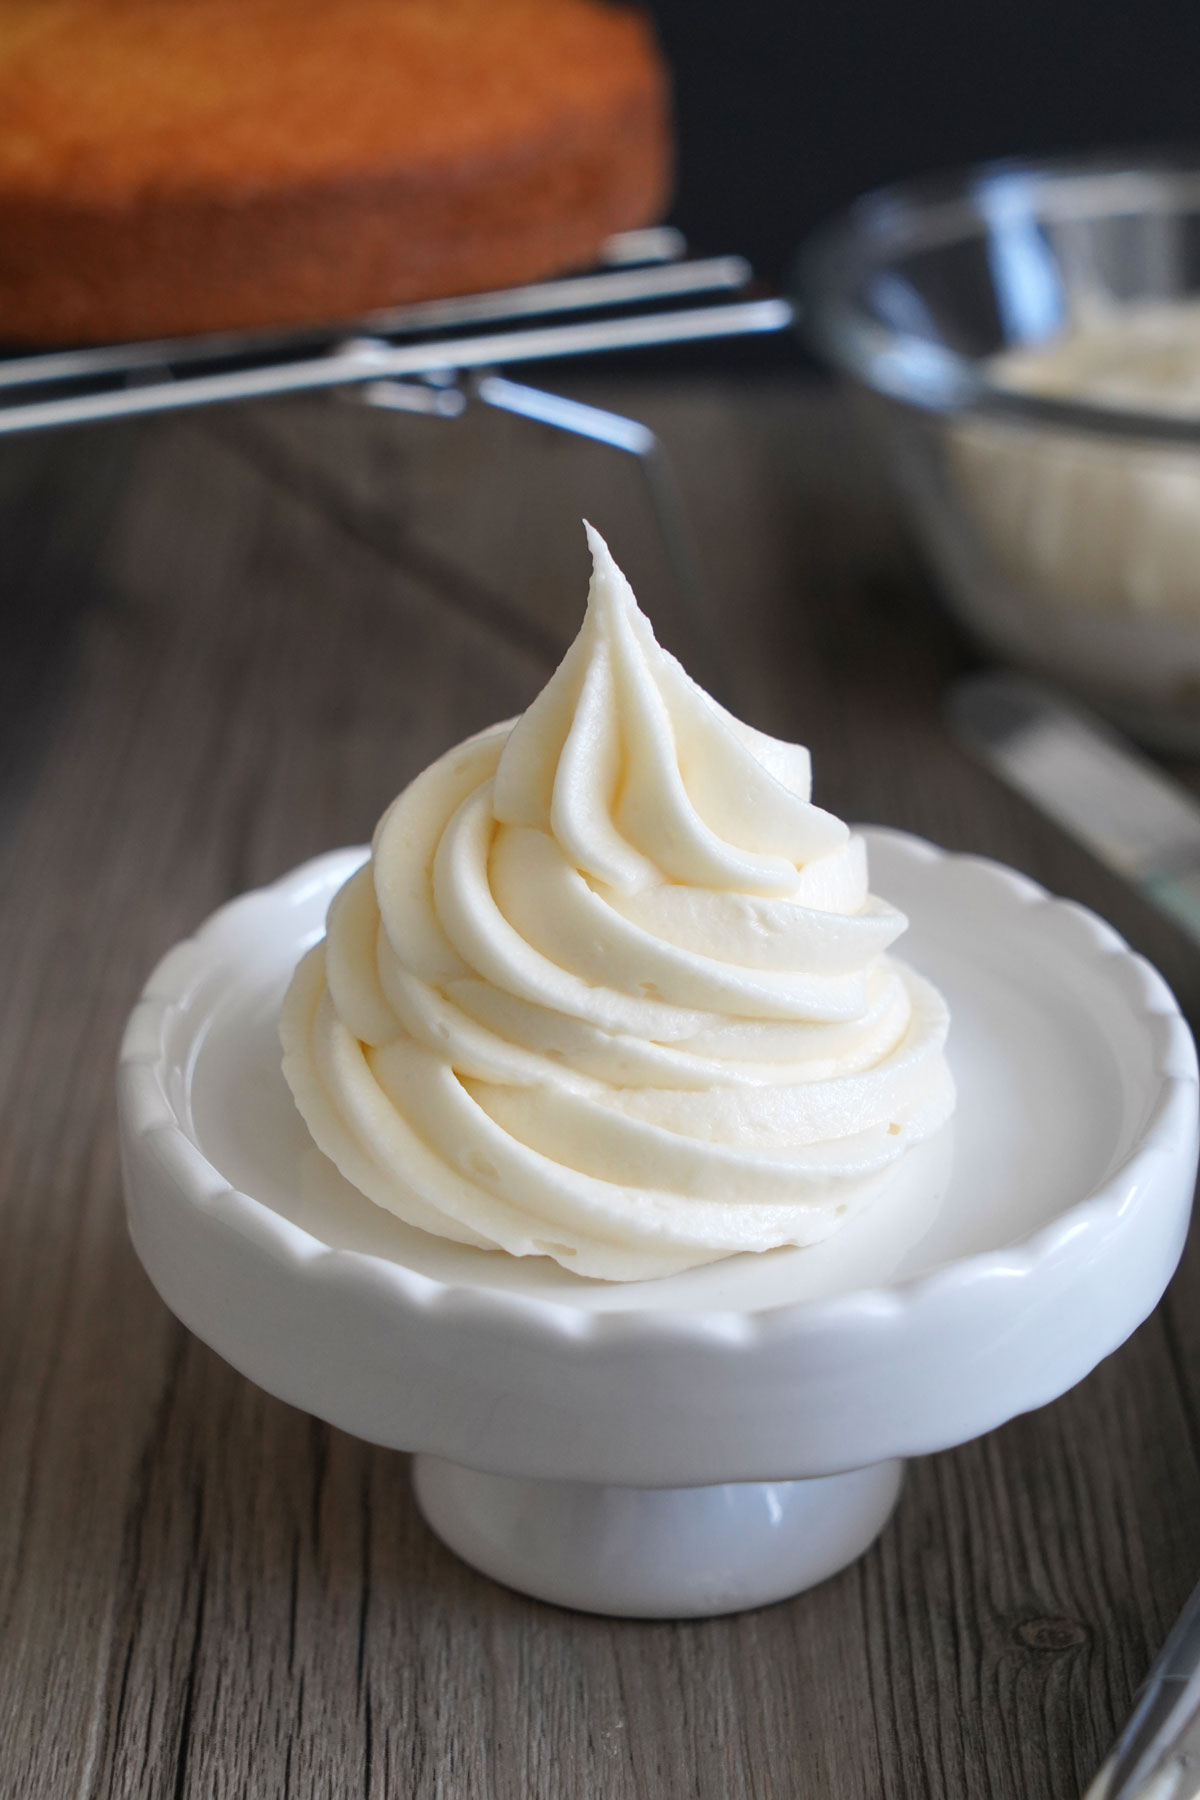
x=921, y=1329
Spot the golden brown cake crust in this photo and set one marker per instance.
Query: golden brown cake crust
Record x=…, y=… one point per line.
x=172, y=166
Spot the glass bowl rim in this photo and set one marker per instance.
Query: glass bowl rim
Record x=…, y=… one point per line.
x=943, y=209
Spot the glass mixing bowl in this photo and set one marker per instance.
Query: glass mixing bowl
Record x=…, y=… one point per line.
x=1065, y=528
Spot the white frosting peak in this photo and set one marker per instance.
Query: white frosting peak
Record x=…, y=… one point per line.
x=611, y=989
x=638, y=775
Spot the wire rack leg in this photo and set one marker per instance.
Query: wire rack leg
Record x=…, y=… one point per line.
x=707, y=652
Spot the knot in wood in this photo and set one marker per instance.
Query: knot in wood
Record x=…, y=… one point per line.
x=1051, y=1634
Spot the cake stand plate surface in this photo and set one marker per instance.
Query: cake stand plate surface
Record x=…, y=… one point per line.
x=727, y=1436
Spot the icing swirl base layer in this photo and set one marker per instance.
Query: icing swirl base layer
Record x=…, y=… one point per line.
x=612, y=990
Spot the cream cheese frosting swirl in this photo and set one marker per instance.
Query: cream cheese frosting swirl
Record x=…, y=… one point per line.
x=611, y=989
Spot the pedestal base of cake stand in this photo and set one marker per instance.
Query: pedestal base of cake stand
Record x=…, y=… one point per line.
x=656, y=1553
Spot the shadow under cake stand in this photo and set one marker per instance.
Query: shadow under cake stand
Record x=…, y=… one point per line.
x=733, y=1435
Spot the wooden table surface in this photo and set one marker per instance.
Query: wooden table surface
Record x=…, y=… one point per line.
x=225, y=643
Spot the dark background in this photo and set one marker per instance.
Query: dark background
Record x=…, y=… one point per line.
x=786, y=111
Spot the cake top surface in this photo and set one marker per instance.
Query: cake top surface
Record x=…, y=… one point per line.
x=98, y=97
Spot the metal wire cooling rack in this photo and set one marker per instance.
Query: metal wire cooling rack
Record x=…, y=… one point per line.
x=436, y=357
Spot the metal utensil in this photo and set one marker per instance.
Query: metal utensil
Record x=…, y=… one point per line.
x=1157, y=1756
x=1116, y=802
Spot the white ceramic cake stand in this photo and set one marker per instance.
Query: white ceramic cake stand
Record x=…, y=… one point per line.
x=725, y=1437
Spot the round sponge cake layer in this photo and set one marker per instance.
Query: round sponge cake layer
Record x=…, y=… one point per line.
x=170, y=166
